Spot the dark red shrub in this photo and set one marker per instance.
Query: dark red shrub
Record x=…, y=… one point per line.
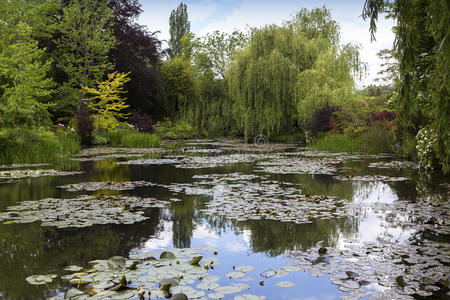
x=141, y=121
x=85, y=125
x=383, y=116
x=320, y=121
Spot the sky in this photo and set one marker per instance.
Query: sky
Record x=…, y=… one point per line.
x=227, y=15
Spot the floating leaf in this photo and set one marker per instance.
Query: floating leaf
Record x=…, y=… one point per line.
x=73, y=268
x=167, y=255
x=40, y=279
x=235, y=274
x=195, y=260
x=285, y=284
x=116, y=263
x=247, y=297
x=244, y=268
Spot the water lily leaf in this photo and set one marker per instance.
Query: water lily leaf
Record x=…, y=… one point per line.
x=190, y=292
x=247, y=297
x=73, y=268
x=195, y=260
x=235, y=274
x=40, y=279
x=268, y=273
x=167, y=283
x=292, y=268
x=167, y=255
x=179, y=296
x=116, y=263
x=216, y=296
x=228, y=289
x=244, y=268
x=285, y=284
x=72, y=293
x=207, y=285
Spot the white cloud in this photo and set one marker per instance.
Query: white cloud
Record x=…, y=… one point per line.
x=200, y=12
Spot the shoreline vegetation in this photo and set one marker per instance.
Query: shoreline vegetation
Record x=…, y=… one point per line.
x=293, y=82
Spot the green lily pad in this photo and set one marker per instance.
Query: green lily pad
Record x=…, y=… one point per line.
x=228, y=289
x=190, y=292
x=116, y=263
x=208, y=285
x=235, y=274
x=73, y=268
x=195, y=260
x=40, y=279
x=216, y=296
x=247, y=297
x=285, y=284
x=244, y=268
x=268, y=273
x=167, y=255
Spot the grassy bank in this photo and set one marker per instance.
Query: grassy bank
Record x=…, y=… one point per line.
x=22, y=145
x=128, y=138
x=374, y=140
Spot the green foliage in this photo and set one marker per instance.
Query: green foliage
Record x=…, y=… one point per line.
x=179, y=26
x=338, y=143
x=181, y=85
x=422, y=47
x=378, y=139
x=87, y=38
x=25, y=86
x=138, y=139
x=107, y=102
x=285, y=73
x=21, y=145
x=170, y=130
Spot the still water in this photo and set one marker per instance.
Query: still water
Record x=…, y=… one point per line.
x=370, y=215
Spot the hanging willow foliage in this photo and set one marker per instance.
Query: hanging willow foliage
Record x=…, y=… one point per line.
x=422, y=47
x=285, y=73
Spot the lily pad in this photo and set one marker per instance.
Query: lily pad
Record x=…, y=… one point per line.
x=235, y=274
x=73, y=268
x=244, y=268
x=40, y=279
x=116, y=263
x=167, y=255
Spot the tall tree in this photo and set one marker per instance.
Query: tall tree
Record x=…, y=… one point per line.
x=86, y=40
x=26, y=86
x=421, y=46
x=179, y=26
x=138, y=51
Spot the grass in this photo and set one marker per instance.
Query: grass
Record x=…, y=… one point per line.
x=338, y=143
x=129, y=138
x=23, y=145
x=374, y=140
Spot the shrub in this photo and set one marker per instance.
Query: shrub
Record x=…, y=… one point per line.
x=378, y=139
x=141, y=121
x=85, y=125
x=426, y=147
x=171, y=130
x=320, y=121
x=384, y=115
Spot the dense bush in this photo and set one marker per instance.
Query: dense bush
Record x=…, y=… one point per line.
x=141, y=121
x=338, y=143
x=322, y=119
x=85, y=125
x=23, y=145
x=172, y=130
x=384, y=115
x=128, y=138
x=378, y=139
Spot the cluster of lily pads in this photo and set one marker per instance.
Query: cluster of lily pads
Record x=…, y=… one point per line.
x=394, y=165
x=24, y=173
x=105, y=185
x=251, y=197
x=379, y=271
x=382, y=178
x=18, y=166
x=175, y=272
x=82, y=211
x=101, y=153
x=294, y=164
x=431, y=216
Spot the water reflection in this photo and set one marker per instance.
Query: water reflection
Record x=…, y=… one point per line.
x=27, y=249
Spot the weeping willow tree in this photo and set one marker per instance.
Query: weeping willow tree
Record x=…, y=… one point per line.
x=330, y=80
x=422, y=46
x=285, y=72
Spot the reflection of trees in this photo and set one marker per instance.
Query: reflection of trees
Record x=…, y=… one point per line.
x=183, y=214
x=27, y=249
x=274, y=237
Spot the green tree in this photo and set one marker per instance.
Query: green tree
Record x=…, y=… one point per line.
x=25, y=87
x=179, y=26
x=422, y=47
x=107, y=101
x=221, y=47
x=86, y=40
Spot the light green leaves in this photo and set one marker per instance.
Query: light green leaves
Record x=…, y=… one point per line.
x=40, y=279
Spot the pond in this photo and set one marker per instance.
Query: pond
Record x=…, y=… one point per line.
x=271, y=221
